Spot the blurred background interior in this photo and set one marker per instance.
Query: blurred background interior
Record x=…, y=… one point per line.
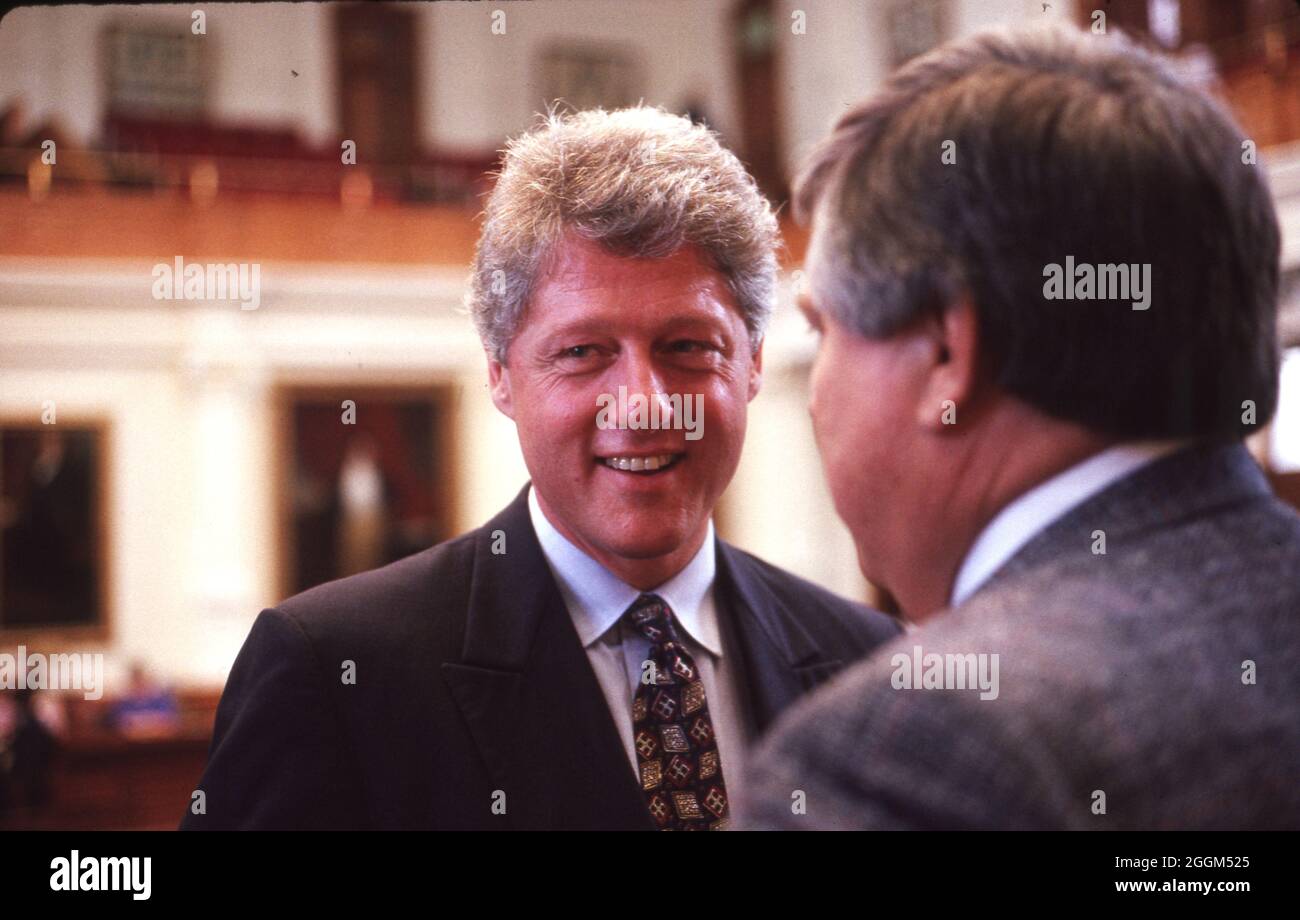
x=196, y=469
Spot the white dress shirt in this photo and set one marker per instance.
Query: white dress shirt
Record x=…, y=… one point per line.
x=597, y=600
x=1024, y=517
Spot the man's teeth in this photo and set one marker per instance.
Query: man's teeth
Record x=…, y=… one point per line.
x=639, y=463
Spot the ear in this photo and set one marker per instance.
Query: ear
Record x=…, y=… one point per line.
x=950, y=379
x=499, y=386
x=756, y=372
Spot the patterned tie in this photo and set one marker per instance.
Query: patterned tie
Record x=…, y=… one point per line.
x=677, y=753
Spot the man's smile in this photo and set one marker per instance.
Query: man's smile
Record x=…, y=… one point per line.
x=640, y=463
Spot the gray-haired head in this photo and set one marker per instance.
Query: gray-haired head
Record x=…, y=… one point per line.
x=639, y=181
x=983, y=163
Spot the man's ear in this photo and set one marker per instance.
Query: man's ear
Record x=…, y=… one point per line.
x=499, y=384
x=756, y=372
x=951, y=378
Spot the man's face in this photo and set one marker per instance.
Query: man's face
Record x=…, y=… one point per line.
x=597, y=322
x=862, y=402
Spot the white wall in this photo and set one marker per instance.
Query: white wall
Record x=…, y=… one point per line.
x=473, y=86
x=50, y=57
x=843, y=54
x=187, y=391
x=480, y=87
x=476, y=88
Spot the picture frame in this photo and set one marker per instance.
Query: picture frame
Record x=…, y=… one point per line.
x=55, y=551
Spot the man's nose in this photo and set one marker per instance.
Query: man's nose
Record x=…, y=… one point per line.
x=643, y=375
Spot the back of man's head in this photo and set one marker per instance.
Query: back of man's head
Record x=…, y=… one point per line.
x=1105, y=217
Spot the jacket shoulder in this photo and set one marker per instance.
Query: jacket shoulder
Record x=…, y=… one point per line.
x=834, y=620
x=392, y=604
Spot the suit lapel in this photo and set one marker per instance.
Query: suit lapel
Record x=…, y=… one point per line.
x=527, y=691
x=780, y=660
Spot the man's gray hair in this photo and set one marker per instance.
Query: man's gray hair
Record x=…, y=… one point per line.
x=639, y=181
x=987, y=161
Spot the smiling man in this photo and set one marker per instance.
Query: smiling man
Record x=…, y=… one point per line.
x=593, y=657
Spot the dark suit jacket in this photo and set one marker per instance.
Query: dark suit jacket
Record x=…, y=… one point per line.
x=470, y=679
x=1156, y=686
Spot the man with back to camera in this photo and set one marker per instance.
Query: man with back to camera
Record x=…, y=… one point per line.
x=1046, y=281
x=592, y=657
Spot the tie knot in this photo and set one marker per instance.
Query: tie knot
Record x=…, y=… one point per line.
x=653, y=618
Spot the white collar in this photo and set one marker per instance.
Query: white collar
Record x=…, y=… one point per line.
x=1024, y=517
x=597, y=598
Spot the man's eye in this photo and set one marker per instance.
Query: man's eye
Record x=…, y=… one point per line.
x=577, y=351
x=690, y=346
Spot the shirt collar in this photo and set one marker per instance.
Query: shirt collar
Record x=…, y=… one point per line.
x=597, y=598
x=1022, y=518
